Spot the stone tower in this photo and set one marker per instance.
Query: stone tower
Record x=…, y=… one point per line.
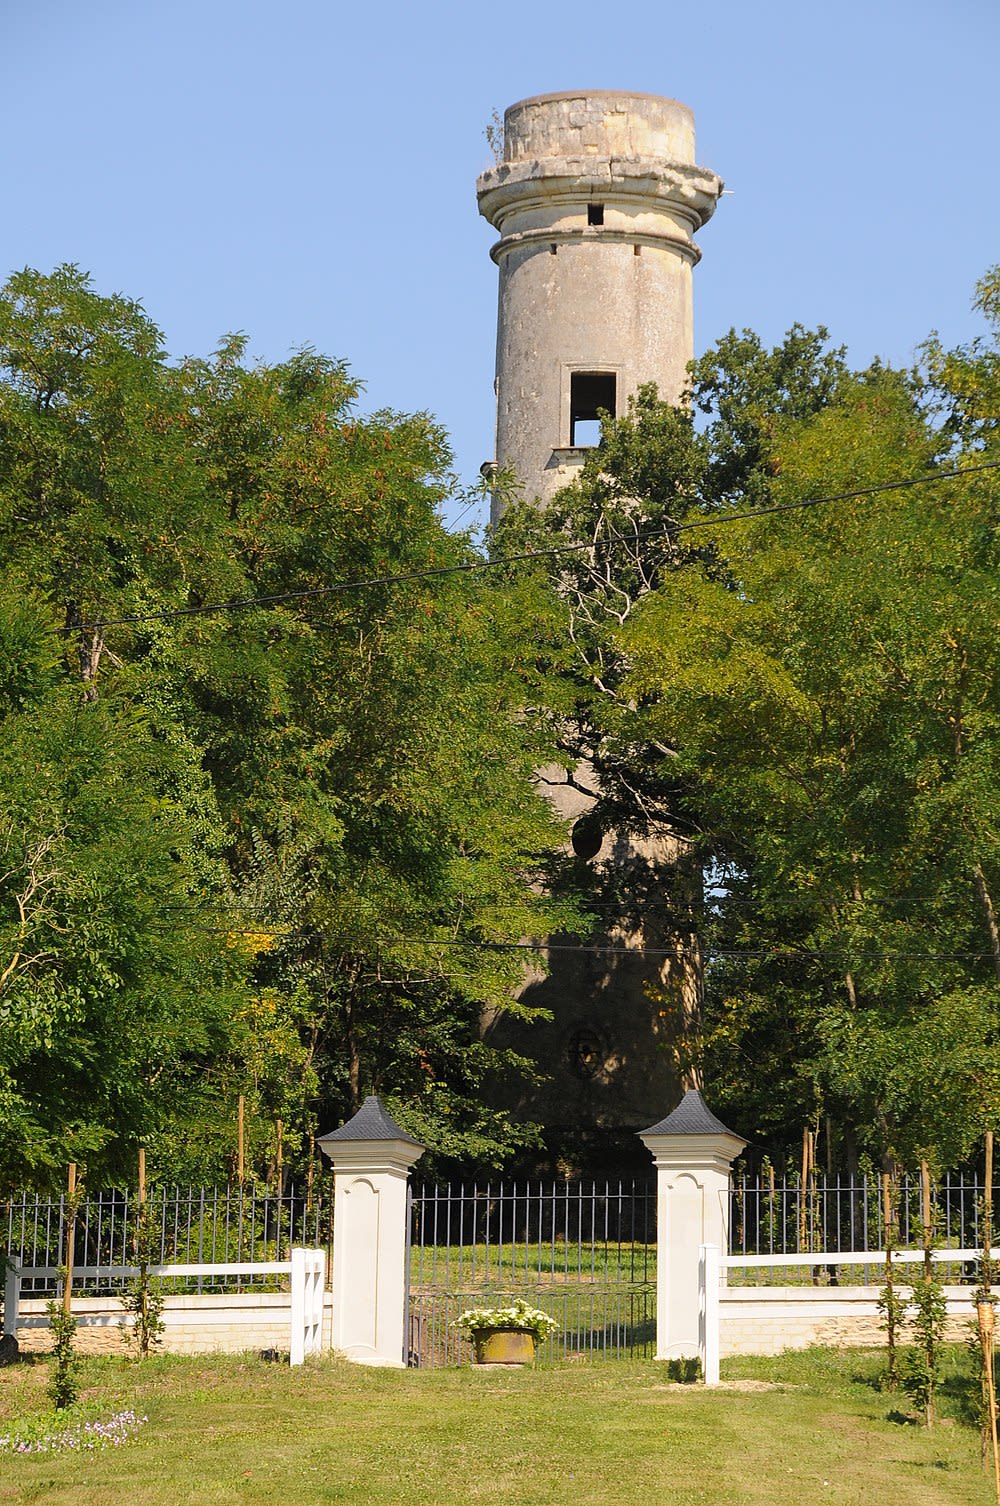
x=596, y=199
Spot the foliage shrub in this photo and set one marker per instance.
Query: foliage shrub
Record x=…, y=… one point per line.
x=63, y=1386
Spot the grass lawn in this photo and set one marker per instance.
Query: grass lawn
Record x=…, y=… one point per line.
x=791, y=1431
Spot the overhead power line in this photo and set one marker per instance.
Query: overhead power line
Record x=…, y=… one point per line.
x=730, y=954
x=469, y=567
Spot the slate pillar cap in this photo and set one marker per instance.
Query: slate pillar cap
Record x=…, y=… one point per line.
x=371, y=1122
x=692, y=1116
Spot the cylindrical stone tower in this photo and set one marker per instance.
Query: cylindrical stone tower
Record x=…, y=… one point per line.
x=596, y=200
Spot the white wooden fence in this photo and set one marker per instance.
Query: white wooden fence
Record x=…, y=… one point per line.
x=306, y=1269
x=714, y=1266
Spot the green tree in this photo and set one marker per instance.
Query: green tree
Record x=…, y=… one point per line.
x=334, y=777
x=620, y=536
x=831, y=692
x=112, y=993
x=808, y=700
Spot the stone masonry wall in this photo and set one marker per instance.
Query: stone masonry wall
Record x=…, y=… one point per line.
x=766, y=1320
x=225, y=1324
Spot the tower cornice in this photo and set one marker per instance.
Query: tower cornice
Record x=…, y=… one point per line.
x=680, y=187
x=518, y=240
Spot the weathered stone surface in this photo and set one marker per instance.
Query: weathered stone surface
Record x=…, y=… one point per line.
x=613, y=121
x=575, y=296
x=596, y=201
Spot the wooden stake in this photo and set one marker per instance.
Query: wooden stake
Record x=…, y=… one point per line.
x=142, y=1198
x=67, y=1301
x=984, y=1311
x=803, y=1190
x=926, y=1216
x=887, y=1219
x=310, y=1172
x=927, y=1219
x=887, y=1211
x=240, y=1162
x=142, y=1258
x=986, y=1284
x=987, y=1276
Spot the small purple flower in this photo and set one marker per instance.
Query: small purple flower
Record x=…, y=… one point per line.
x=116, y=1430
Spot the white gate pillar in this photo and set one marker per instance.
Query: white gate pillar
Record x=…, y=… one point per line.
x=693, y=1152
x=371, y=1158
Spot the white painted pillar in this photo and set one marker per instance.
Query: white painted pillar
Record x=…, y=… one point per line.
x=693, y=1152
x=371, y=1158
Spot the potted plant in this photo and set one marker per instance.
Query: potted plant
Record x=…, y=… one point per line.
x=505, y=1335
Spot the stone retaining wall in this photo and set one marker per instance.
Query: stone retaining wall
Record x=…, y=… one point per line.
x=765, y=1320
x=192, y=1325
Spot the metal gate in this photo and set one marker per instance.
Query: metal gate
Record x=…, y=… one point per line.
x=585, y=1252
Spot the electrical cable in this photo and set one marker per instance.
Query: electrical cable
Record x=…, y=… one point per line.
x=729, y=954
x=241, y=604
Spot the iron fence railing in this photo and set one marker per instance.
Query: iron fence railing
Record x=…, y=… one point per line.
x=189, y=1225
x=828, y=1214
x=583, y=1251
x=480, y=1239
x=500, y=1234
x=593, y=1322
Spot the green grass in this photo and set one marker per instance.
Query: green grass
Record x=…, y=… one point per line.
x=801, y=1428
x=472, y=1266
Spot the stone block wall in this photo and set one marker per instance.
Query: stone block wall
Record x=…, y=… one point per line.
x=766, y=1320
x=228, y=1324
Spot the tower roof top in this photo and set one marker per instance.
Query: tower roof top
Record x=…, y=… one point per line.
x=540, y=99
x=598, y=123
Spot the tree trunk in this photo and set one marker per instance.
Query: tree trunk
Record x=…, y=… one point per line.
x=990, y=916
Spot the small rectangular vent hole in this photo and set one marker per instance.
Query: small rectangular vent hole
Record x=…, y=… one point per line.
x=595, y=214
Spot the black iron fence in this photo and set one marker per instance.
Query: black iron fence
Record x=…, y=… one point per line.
x=584, y=1252
x=825, y=1215
x=190, y=1225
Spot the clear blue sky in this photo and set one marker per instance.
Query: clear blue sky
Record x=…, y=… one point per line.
x=306, y=172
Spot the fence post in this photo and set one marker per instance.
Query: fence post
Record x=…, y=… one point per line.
x=11, y=1298
x=710, y=1273
x=371, y=1158
x=297, y=1340
x=693, y=1152
x=308, y=1273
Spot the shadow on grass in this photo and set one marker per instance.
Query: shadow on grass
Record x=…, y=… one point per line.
x=960, y=1396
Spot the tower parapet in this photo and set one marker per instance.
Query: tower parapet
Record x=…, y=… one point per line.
x=597, y=198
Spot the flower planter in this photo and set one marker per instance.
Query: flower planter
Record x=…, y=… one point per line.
x=506, y=1334
x=504, y=1346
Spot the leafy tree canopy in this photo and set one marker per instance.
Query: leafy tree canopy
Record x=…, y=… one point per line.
x=262, y=847
x=809, y=698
